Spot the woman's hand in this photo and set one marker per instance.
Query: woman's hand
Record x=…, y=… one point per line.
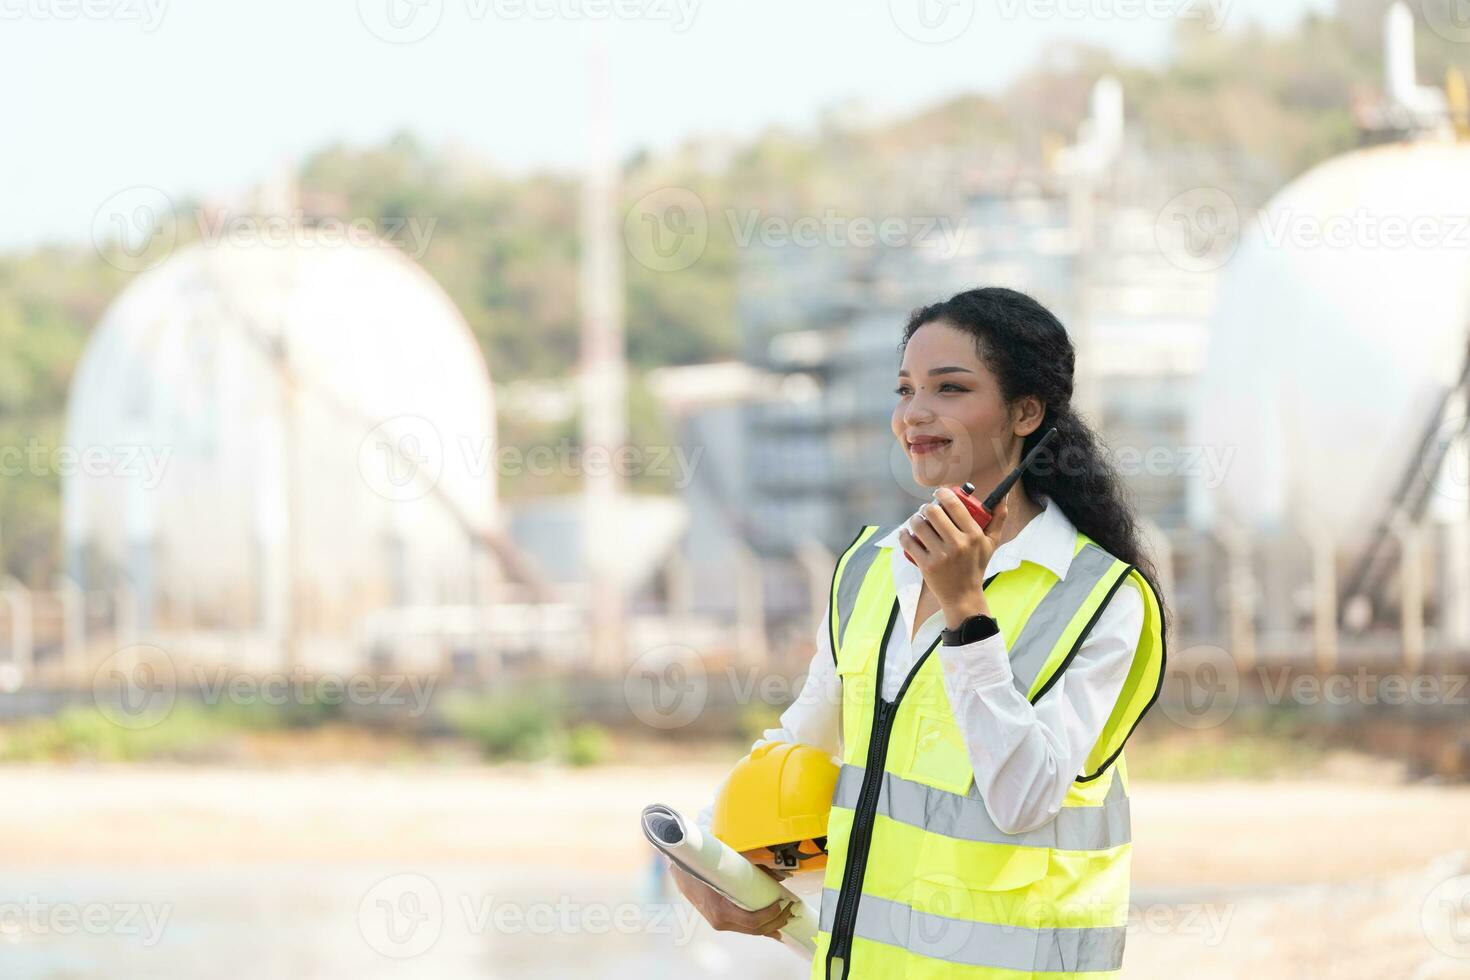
x=725, y=915
x=952, y=550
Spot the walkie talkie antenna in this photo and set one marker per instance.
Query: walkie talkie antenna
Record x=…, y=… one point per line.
x=1004, y=486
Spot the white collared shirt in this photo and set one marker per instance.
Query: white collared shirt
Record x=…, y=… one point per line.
x=1024, y=756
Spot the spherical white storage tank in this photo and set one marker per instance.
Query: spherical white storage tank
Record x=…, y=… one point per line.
x=310, y=419
x=1342, y=320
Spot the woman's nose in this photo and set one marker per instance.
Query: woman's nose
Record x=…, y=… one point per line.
x=918, y=411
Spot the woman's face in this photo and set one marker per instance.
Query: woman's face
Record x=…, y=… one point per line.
x=950, y=418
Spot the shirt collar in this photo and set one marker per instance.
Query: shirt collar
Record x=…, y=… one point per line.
x=1048, y=540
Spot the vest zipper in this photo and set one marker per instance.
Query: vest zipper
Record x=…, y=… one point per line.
x=861, y=835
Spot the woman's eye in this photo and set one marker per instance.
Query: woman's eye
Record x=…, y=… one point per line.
x=947, y=386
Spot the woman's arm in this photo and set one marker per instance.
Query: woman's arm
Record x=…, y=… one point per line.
x=1025, y=756
x=814, y=717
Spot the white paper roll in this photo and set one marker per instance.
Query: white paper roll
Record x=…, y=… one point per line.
x=726, y=871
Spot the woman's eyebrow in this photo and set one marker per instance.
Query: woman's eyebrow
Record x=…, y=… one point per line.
x=948, y=369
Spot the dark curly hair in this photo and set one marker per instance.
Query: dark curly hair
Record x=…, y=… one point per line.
x=1029, y=352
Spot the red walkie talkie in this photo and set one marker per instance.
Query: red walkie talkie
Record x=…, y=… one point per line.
x=985, y=510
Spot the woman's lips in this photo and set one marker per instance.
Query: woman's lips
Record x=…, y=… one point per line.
x=920, y=448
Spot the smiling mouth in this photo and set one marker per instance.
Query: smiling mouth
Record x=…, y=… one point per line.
x=925, y=446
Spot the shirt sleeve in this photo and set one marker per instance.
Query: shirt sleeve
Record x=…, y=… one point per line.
x=1025, y=757
x=814, y=718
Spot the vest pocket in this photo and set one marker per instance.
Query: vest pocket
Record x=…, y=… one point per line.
x=938, y=757
x=954, y=918
x=855, y=671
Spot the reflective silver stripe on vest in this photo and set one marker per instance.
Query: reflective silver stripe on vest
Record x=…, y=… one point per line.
x=1075, y=828
x=1055, y=611
x=1061, y=950
x=853, y=573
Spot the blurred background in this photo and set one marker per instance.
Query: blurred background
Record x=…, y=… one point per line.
x=428, y=428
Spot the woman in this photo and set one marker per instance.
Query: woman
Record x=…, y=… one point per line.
x=980, y=822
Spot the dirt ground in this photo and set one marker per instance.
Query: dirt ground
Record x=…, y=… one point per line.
x=1328, y=877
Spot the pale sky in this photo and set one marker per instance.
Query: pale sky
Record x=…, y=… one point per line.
x=209, y=96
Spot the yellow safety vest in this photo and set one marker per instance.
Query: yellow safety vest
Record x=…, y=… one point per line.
x=920, y=882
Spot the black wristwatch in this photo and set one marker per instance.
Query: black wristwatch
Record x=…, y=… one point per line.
x=977, y=627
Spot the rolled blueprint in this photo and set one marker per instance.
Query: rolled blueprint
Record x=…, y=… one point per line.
x=724, y=869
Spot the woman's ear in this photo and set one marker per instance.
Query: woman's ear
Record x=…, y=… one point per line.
x=1026, y=415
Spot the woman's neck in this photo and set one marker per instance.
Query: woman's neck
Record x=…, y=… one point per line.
x=1020, y=509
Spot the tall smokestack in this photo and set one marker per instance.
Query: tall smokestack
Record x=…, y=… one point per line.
x=603, y=380
x=1398, y=55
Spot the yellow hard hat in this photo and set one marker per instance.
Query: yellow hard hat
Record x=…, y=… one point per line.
x=773, y=806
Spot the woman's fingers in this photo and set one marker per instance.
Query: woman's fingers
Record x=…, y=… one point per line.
x=921, y=525
x=997, y=520
x=725, y=916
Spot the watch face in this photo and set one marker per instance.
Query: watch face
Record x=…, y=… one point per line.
x=972, y=629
